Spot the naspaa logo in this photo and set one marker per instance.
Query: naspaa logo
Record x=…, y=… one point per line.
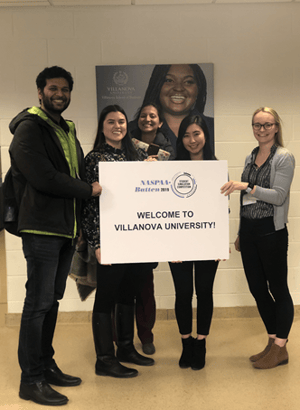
x=183, y=185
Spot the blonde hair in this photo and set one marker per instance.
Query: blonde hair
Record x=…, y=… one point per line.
x=278, y=135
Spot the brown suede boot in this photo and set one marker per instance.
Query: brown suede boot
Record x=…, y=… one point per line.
x=276, y=356
x=258, y=356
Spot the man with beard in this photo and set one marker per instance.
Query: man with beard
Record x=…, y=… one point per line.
x=48, y=175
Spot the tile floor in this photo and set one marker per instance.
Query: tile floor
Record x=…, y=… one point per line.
x=228, y=382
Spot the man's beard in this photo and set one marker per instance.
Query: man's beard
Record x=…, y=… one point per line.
x=50, y=107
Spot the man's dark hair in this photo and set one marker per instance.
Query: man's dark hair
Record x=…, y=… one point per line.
x=53, y=72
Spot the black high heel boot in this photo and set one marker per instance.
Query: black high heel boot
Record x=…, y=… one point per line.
x=185, y=360
x=198, y=361
x=107, y=364
x=126, y=351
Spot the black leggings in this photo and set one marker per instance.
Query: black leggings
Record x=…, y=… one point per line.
x=118, y=283
x=182, y=273
x=265, y=263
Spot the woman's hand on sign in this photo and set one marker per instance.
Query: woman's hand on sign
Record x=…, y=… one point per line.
x=98, y=257
x=232, y=186
x=151, y=158
x=97, y=189
x=222, y=260
x=237, y=244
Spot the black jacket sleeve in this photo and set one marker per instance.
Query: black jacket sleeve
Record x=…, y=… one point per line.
x=43, y=164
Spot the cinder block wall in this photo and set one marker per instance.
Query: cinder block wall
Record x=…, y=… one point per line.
x=255, y=51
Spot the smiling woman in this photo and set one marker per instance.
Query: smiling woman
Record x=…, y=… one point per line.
x=263, y=237
x=194, y=141
x=149, y=121
x=178, y=90
x=116, y=284
x=147, y=128
x=193, y=144
x=115, y=129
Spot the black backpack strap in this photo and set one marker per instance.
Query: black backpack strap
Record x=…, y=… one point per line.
x=10, y=207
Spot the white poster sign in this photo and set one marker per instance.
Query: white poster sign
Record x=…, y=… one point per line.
x=163, y=211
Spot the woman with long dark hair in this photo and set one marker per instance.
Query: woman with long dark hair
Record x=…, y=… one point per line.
x=112, y=143
x=179, y=90
x=193, y=144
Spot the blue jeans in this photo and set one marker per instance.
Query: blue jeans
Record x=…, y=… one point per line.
x=48, y=262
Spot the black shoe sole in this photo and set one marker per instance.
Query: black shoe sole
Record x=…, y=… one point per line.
x=184, y=366
x=135, y=362
x=127, y=376
x=53, y=383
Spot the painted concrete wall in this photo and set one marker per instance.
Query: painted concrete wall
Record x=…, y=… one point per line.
x=255, y=51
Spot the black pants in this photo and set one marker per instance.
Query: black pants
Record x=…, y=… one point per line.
x=145, y=309
x=182, y=273
x=264, y=258
x=118, y=283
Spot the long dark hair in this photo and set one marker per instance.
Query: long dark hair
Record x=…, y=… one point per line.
x=182, y=152
x=130, y=152
x=158, y=77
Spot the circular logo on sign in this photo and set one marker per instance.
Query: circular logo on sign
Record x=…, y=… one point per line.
x=184, y=185
x=120, y=78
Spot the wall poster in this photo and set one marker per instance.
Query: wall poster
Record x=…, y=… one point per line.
x=176, y=88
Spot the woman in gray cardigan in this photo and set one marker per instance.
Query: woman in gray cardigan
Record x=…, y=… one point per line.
x=263, y=236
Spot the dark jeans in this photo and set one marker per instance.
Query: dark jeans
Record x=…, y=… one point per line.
x=264, y=258
x=205, y=272
x=48, y=263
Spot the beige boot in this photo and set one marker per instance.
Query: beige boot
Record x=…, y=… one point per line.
x=276, y=356
x=258, y=356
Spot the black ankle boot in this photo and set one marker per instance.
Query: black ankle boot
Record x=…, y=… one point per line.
x=185, y=360
x=126, y=351
x=107, y=364
x=198, y=361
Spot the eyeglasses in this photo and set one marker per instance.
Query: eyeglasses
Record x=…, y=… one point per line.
x=266, y=126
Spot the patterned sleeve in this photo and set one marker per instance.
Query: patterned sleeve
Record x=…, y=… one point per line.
x=90, y=212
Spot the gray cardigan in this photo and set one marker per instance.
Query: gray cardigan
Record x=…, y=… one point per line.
x=282, y=172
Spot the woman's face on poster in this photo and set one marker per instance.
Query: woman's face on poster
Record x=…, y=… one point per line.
x=179, y=91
